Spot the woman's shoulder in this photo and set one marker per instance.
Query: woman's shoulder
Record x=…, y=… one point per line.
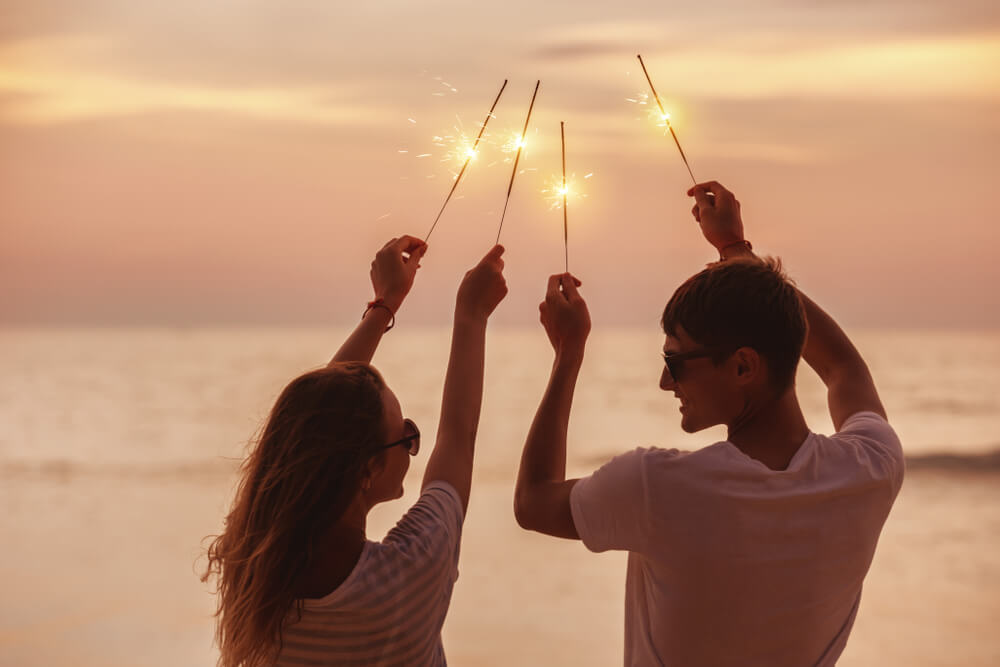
x=433, y=525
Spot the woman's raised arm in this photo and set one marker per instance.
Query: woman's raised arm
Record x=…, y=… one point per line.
x=393, y=270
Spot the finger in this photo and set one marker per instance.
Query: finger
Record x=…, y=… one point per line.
x=419, y=252
x=569, y=286
x=577, y=281
x=495, y=253
x=701, y=197
x=552, y=291
x=390, y=242
x=718, y=190
x=696, y=212
x=407, y=244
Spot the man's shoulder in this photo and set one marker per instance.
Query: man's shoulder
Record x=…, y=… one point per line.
x=866, y=446
x=667, y=461
x=871, y=431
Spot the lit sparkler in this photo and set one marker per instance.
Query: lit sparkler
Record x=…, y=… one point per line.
x=470, y=154
x=665, y=117
x=520, y=146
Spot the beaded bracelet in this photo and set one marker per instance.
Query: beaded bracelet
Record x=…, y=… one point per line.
x=724, y=248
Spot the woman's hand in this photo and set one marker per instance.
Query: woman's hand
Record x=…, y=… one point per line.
x=483, y=287
x=565, y=316
x=394, y=268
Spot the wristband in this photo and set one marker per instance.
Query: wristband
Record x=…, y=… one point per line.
x=723, y=249
x=380, y=303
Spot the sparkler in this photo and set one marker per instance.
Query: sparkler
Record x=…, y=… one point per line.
x=520, y=145
x=565, y=191
x=666, y=117
x=471, y=153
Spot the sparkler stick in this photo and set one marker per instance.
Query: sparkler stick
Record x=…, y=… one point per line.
x=472, y=153
x=666, y=117
x=562, y=135
x=520, y=145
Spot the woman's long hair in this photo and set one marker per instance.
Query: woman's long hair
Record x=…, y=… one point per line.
x=297, y=481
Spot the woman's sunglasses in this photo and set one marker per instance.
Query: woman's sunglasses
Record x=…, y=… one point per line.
x=412, y=440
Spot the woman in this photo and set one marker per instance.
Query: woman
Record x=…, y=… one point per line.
x=299, y=582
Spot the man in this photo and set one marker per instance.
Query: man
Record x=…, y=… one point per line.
x=751, y=551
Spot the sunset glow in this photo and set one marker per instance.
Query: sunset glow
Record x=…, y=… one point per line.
x=124, y=131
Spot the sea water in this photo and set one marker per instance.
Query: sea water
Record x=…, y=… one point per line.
x=118, y=451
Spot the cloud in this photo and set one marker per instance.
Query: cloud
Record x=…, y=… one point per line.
x=766, y=65
x=50, y=81
x=581, y=49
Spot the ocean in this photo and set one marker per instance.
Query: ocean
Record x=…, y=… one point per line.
x=118, y=451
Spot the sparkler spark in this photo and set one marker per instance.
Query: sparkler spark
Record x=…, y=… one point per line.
x=554, y=191
x=514, y=142
x=462, y=150
x=468, y=159
x=665, y=118
x=517, y=158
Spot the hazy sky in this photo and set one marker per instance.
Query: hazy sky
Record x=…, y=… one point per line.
x=191, y=162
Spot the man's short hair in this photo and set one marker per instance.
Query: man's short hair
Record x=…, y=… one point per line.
x=743, y=303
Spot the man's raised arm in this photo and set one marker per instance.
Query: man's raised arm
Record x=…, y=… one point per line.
x=828, y=350
x=542, y=494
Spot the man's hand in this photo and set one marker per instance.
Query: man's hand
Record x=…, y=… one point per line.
x=718, y=213
x=483, y=287
x=394, y=268
x=564, y=315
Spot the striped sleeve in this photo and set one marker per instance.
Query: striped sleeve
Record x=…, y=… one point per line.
x=432, y=528
x=390, y=610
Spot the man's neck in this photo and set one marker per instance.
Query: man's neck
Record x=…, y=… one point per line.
x=770, y=431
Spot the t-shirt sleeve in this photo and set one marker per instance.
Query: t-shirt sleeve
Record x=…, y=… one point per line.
x=610, y=508
x=876, y=439
x=432, y=528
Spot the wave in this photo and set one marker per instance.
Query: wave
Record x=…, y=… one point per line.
x=984, y=462
x=66, y=469
x=979, y=462
x=225, y=468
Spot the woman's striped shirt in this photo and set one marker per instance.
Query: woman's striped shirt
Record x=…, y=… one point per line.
x=390, y=609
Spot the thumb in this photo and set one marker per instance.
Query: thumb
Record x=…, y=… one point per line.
x=700, y=196
x=496, y=252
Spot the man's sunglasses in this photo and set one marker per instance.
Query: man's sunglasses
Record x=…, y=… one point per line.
x=675, y=361
x=412, y=441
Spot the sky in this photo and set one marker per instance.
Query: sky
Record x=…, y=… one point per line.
x=192, y=163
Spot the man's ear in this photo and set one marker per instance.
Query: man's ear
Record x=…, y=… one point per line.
x=748, y=365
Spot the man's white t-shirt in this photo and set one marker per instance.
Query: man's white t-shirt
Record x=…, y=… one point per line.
x=732, y=563
x=390, y=609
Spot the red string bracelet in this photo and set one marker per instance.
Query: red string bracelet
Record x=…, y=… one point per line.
x=380, y=303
